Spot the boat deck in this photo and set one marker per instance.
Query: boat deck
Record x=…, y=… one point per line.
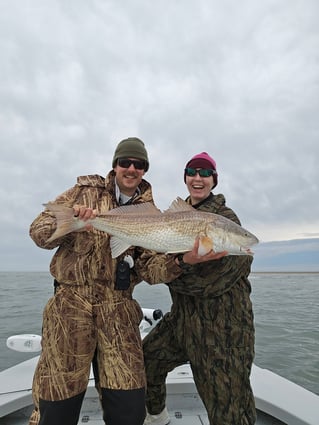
x=185, y=407
x=278, y=401
x=184, y=416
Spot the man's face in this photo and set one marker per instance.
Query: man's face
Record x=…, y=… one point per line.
x=129, y=173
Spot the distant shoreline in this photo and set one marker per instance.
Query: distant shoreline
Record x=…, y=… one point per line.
x=284, y=272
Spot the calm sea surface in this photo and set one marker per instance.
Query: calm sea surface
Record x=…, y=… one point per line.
x=286, y=310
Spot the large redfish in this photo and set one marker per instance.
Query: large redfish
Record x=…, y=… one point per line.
x=171, y=231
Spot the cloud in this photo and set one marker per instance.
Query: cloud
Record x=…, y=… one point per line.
x=237, y=80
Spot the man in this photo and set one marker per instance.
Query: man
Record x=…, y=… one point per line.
x=92, y=316
x=210, y=323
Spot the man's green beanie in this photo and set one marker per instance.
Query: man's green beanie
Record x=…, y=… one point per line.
x=131, y=147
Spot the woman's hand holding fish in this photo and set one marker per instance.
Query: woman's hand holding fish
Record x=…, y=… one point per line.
x=193, y=257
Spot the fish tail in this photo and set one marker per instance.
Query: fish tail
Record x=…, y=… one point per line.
x=66, y=222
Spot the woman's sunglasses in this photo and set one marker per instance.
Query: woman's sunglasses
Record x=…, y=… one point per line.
x=203, y=172
x=126, y=163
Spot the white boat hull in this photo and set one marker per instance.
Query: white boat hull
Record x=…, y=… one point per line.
x=274, y=395
x=278, y=400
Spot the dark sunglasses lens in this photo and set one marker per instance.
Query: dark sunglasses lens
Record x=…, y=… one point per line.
x=139, y=165
x=126, y=163
x=205, y=172
x=190, y=172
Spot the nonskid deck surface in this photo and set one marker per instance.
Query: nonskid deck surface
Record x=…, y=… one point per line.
x=191, y=419
x=178, y=417
x=184, y=405
x=273, y=394
x=184, y=409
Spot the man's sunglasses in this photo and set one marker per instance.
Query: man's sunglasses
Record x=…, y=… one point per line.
x=203, y=172
x=126, y=163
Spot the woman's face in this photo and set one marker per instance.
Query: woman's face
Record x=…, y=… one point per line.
x=199, y=187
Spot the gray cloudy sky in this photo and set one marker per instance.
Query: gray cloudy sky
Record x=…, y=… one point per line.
x=238, y=79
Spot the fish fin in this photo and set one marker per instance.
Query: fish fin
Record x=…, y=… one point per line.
x=66, y=222
x=140, y=209
x=205, y=245
x=118, y=246
x=179, y=205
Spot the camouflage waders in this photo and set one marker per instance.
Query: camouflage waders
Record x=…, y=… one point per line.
x=211, y=326
x=62, y=373
x=221, y=374
x=88, y=317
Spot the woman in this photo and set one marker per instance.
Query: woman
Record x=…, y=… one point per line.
x=210, y=323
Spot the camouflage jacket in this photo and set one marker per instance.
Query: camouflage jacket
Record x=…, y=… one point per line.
x=211, y=300
x=213, y=278
x=84, y=258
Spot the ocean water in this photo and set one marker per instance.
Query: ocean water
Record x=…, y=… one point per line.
x=286, y=309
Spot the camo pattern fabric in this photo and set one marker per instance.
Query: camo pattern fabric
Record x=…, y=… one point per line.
x=211, y=326
x=87, y=311
x=84, y=258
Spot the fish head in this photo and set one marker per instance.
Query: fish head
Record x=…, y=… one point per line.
x=245, y=240
x=231, y=237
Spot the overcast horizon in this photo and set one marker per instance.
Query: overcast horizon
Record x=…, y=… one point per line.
x=239, y=80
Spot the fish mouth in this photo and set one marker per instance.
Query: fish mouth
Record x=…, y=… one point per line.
x=246, y=250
